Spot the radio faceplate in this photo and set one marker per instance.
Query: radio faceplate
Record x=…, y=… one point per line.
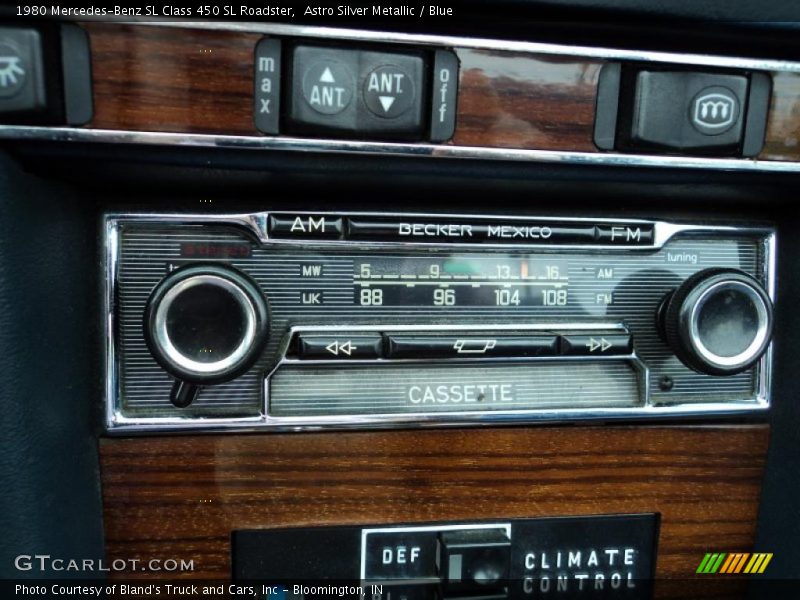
x=372, y=320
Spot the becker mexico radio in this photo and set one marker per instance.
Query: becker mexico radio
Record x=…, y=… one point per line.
x=293, y=321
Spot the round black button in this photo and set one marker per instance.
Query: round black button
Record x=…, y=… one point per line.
x=714, y=110
x=206, y=323
x=389, y=91
x=727, y=322
x=719, y=321
x=328, y=86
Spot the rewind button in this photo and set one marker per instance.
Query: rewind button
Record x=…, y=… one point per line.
x=344, y=347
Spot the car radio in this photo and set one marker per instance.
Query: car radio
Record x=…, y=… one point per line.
x=294, y=321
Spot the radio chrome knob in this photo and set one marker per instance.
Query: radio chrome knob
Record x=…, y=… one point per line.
x=718, y=322
x=205, y=324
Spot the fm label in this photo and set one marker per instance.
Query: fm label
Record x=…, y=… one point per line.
x=627, y=234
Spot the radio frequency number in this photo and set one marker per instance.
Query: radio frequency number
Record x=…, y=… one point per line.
x=371, y=297
x=447, y=296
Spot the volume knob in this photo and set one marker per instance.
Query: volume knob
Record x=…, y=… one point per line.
x=205, y=324
x=718, y=322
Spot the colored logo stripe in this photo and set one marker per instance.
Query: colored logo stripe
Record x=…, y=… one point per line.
x=737, y=562
x=758, y=563
x=703, y=563
x=711, y=563
x=727, y=564
x=756, y=558
x=742, y=562
x=733, y=563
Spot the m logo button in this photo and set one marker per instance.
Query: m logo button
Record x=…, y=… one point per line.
x=714, y=111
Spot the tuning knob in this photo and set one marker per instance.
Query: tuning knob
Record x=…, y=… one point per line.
x=718, y=322
x=205, y=324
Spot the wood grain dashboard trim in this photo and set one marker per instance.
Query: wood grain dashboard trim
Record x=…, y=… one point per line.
x=175, y=80
x=182, y=496
x=514, y=100
x=782, y=140
x=198, y=80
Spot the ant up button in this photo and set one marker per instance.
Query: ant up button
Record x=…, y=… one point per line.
x=328, y=86
x=323, y=89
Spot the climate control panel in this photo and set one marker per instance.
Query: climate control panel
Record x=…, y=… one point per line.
x=610, y=556
x=297, y=320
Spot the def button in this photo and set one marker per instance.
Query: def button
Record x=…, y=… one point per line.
x=401, y=556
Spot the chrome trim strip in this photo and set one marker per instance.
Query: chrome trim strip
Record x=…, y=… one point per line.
x=257, y=225
x=127, y=426
x=769, y=268
x=255, y=142
x=117, y=423
x=358, y=35
x=113, y=398
x=246, y=142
